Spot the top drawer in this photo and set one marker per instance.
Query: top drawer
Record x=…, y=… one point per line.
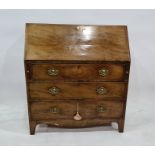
x=78, y=72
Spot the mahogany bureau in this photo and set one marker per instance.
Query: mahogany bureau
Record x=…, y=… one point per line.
x=76, y=75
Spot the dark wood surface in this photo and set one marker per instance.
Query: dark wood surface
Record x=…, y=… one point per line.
x=76, y=42
x=78, y=52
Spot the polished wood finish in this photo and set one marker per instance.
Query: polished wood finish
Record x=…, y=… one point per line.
x=76, y=42
x=80, y=72
x=67, y=109
x=72, y=90
x=76, y=65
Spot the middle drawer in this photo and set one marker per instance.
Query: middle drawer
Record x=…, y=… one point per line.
x=74, y=90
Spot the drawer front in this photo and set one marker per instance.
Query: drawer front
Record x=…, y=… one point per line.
x=74, y=72
x=68, y=109
x=72, y=90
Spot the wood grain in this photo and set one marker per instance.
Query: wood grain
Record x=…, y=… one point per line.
x=71, y=90
x=76, y=42
x=78, y=72
x=67, y=109
x=78, y=52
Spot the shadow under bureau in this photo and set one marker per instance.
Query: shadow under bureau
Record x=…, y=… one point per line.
x=76, y=75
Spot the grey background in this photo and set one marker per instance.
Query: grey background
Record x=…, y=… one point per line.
x=140, y=114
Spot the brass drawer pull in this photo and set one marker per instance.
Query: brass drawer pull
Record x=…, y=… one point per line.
x=54, y=110
x=100, y=108
x=103, y=72
x=53, y=72
x=101, y=91
x=54, y=90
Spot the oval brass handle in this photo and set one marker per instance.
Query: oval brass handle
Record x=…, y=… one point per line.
x=103, y=72
x=101, y=91
x=53, y=72
x=54, y=90
x=54, y=110
x=100, y=108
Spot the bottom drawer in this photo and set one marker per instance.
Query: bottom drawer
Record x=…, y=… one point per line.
x=68, y=109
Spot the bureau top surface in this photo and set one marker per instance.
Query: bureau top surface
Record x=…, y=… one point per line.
x=76, y=42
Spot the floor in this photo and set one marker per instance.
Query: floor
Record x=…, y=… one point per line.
x=140, y=114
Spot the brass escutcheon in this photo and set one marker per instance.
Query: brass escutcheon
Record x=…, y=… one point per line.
x=54, y=90
x=53, y=72
x=54, y=110
x=100, y=108
x=103, y=72
x=101, y=91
